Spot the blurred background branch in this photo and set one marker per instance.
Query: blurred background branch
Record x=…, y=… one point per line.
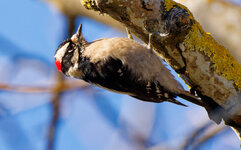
x=202, y=135
x=70, y=85
x=73, y=8
x=58, y=89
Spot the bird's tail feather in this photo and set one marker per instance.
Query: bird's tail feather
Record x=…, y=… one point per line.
x=172, y=100
x=191, y=98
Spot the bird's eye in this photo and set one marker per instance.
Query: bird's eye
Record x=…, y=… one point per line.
x=70, y=51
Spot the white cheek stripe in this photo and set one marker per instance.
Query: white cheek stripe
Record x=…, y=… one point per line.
x=60, y=53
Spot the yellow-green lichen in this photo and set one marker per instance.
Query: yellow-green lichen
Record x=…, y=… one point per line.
x=89, y=4
x=169, y=4
x=224, y=63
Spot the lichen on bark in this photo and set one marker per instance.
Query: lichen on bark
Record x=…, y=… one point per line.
x=224, y=63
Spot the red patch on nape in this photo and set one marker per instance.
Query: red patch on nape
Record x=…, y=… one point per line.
x=58, y=64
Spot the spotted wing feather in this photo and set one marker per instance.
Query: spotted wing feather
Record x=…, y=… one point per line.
x=115, y=76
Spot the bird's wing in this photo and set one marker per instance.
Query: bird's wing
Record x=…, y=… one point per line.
x=111, y=74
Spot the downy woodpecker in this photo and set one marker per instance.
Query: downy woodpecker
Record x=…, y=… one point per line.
x=120, y=65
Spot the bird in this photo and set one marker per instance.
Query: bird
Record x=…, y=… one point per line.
x=120, y=65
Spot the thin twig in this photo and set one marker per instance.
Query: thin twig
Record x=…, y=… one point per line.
x=209, y=136
x=195, y=135
x=200, y=136
x=71, y=85
x=71, y=24
x=55, y=104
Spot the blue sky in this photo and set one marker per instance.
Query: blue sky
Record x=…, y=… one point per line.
x=30, y=32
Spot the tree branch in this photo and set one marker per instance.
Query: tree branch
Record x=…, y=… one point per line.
x=205, y=65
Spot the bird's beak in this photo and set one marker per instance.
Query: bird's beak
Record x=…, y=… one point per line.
x=79, y=32
x=77, y=37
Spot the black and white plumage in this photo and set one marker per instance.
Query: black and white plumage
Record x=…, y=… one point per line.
x=121, y=65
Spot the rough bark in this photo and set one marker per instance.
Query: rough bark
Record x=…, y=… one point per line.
x=205, y=65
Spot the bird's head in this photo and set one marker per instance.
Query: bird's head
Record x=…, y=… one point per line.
x=68, y=52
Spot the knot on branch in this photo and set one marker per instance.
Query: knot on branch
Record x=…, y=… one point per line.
x=177, y=20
